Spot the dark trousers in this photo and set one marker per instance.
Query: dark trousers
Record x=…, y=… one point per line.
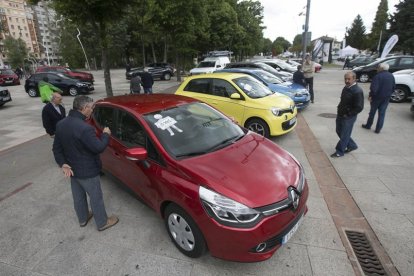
x=344, y=130
x=309, y=85
x=91, y=187
x=148, y=90
x=380, y=105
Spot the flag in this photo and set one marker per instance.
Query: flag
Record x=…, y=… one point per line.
x=389, y=45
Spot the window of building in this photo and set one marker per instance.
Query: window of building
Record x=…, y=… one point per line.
x=12, y=27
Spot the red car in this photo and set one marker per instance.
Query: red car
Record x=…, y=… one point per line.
x=217, y=185
x=83, y=76
x=8, y=77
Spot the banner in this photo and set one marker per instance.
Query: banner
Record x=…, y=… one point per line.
x=389, y=45
x=317, y=48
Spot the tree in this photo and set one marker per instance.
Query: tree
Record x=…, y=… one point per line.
x=379, y=26
x=16, y=51
x=402, y=24
x=280, y=45
x=356, y=34
x=100, y=14
x=297, y=44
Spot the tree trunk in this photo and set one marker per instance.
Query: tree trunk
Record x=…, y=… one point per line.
x=143, y=51
x=154, y=57
x=178, y=67
x=105, y=63
x=165, y=49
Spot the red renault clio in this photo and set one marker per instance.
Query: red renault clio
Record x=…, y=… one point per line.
x=218, y=186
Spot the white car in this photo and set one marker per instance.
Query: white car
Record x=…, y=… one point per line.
x=404, y=82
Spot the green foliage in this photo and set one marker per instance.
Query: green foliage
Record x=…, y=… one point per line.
x=281, y=45
x=379, y=25
x=402, y=24
x=16, y=51
x=356, y=34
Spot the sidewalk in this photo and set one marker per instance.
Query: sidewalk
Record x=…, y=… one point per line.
x=39, y=234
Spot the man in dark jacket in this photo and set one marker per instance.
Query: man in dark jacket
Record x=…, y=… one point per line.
x=52, y=113
x=147, y=81
x=76, y=149
x=299, y=77
x=382, y=86
x=351, y=103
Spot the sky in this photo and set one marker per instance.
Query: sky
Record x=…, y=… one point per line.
x=326, y=17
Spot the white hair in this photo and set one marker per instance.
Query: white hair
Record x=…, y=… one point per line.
x=384, y=66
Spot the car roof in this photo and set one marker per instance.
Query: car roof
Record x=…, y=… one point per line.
x=144, y=103
x=227, y=75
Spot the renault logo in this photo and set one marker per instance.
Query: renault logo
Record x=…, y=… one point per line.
x=294, y=197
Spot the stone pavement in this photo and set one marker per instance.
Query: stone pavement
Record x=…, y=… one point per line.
x=39, y=234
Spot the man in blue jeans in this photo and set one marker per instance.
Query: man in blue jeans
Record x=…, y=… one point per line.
x=76, y=149
x=351, y=103
x=382, y=86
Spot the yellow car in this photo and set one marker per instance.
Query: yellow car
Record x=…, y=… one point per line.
x=245, y=99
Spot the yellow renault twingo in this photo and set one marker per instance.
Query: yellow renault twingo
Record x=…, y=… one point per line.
x=242, y=97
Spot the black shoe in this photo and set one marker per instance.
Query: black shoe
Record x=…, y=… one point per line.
x=312, y=101
x=377, y=131
x=336, y=155
x=349, y=150
x=365, y=126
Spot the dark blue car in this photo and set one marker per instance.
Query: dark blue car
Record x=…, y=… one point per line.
x=298, y=93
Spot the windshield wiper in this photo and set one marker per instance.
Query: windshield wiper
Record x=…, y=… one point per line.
x=189, y=154
x=226, y=142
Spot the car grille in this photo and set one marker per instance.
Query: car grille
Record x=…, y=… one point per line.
x=290, y=110
x=4, y=92
x=286, y=125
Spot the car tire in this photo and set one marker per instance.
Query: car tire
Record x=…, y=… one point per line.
x=1, y=104
x=32, y=92
x=166, y=76
x=399, y=95
x=73, y=91
x=364, y=77
x=184, y=232
x=259, y=126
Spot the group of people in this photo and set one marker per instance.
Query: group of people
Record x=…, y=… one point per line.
x=352, y=101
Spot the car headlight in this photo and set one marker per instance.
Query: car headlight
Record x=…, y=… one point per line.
x=227, y=211
x=81, y=84
x=275, y=111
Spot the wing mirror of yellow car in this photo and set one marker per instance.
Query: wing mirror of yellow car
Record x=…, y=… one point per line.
x=235, y=96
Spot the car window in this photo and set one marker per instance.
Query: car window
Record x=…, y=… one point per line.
x=129, y=131
x=38, y=77
x=53, y=77
x=192, y=129
x=253, y=88
x=60, y=70
x=205, y=64
x=407, y=61
x=222, y=88
x=199, y=86
x=269, y=78
x=391, y=62
x=104, y=117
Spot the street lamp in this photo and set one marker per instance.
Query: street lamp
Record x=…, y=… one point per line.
x=80, y=42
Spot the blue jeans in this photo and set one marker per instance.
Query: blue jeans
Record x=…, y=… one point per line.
x=309, y=85
x=380, y=105
x=344, y=130
x=148, y=90
x=91, y=187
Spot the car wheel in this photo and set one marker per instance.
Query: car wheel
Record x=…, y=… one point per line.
x=167, y=76
x=1, y=104
x=399, y=95
x=32, y=92
x=259, y=126
x=184, y=232
x=73, y=91
x=364, y=78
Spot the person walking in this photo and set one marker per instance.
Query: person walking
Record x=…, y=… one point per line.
x=147, y=81
x=351, y=103
x=382, y=86
x=135, y=85
x=309, y=70
x=76, y=149
x=52, y=113
x=346, y=63
x=299, y=77
x=46, y=90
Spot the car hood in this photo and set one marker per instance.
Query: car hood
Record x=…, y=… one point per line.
x=254, y=171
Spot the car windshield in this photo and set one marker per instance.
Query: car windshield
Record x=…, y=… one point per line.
x=64, y=76
x=269, y=78
x=6, y=72
x=253, y=88
x=193, y=129
x=204, y=64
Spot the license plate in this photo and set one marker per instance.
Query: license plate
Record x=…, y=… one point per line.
x=292, y=121
x=9, y=81
x=6, y=99
x=292, y=231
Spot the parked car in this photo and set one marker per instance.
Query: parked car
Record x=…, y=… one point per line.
x=367, y=72
x=210, y=64
x=280, y=64
x=67, y=84
x=251, y=103
x=296, y=92
x=8, y=77
x=286, y=76
x=188, y=161
x=4, y=96
x=159, y=70
x=360, y=61
x=83, y=76
x=404, y=86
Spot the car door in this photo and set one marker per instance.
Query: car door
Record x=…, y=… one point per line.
x=57, y=81
x=404, y=63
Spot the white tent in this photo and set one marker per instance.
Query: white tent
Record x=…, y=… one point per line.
x=348, y=51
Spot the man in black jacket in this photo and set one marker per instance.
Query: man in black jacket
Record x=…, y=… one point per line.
x=299, y=77
x=147, y=81
x=351, y=103
x=52, y=113
x=76, y=149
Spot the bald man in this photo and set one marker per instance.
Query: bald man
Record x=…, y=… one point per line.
x=52, y=113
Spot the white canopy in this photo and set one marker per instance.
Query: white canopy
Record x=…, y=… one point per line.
x=348, y=51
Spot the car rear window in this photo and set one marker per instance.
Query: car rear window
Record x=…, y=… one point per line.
x=199, y=86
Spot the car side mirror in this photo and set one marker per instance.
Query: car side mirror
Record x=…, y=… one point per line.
x=136, y=154
x=235, y=96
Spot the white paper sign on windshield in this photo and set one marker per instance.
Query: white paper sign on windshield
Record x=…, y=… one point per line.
x=166, y=123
